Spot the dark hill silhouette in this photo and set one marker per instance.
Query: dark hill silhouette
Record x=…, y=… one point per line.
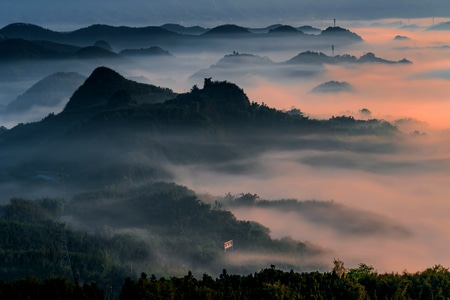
x=89, y=35
x=192, y=30
x=125, y=37
x=30, y=32
x=238, y=64
x=106, y=85
x=228, y=29
x=401, y=38
x=264, y=29
x=119, y=33
x=332, y=87
x=103, y=44
x=20, y=49
x=309, y=29
x=285, y=29
x=310, y=57
x=12, y=49
x=59, y=47
x=242, y=59
x=340, y=33
x=152, y=51
x=48, y=92
x=94, y=52
x=371, y=58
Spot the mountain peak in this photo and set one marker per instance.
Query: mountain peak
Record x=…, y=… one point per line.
x=105, y=86
x=337, y=31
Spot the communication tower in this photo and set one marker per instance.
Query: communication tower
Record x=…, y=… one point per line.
x=64, y=257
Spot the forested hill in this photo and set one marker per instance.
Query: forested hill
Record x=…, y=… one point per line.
x=109, y=117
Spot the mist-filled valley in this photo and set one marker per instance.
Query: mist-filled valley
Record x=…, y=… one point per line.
x=148, y=148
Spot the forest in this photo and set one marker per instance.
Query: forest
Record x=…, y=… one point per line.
x=269, y=283
x=42, y=256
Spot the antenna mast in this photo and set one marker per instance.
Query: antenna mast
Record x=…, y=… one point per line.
x=64, y=257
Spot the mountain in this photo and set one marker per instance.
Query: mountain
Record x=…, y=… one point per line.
x=168, y=35
x=48, y=92
x=310, y=57
x=309, y=29
x=242, y=65
x=371, y=58
x=113, y=128
x=104, y=86
x=20, y=49
x=119, y=34
x=401, y=38
x=285, y=29
x=228, y=29
x=14, y=49
x=339, y=32
x=192, y=30
x=332, y=87
x=103, y=44
x=152, y=51
x=91, y=52
x=30, y=32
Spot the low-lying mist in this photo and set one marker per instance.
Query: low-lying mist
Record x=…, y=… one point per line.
x=376, y=200
x=384, y=206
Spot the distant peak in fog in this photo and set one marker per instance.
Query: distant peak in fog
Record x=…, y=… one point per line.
x=311, y=57
x=342, y=32
x=47, y=92
x=333, y=87
x=227, y=29
x=284, y=29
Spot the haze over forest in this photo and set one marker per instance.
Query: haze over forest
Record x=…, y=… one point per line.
x=315, y=130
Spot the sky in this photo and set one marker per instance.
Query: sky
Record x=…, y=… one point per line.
x=68, y=15
x=408, y=187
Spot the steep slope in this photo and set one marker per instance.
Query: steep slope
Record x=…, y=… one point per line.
x=104, y=86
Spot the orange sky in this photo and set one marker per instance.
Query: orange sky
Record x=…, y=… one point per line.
x=388, y=91
x=415, y=197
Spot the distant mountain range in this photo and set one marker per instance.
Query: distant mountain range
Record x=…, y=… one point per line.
x=310, y=57
x=20, y=49
x=165, y=34
x=305, y=64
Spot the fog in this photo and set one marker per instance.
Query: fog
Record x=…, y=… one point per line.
x=404, y=186
x=384, y=199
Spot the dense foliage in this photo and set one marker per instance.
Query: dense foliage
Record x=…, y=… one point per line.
x=269, y=283
x=103, y=235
